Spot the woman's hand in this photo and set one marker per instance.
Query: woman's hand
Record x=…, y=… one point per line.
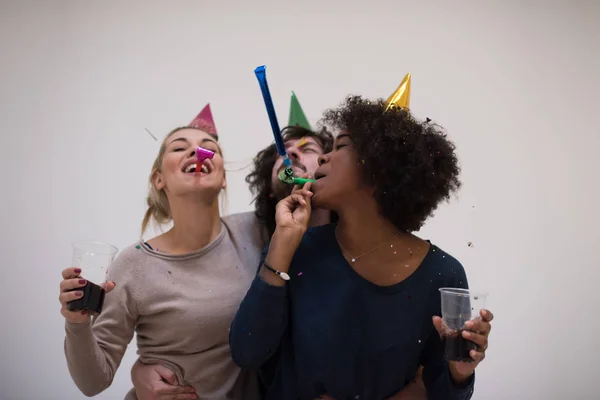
x=157, y=382
x=478, y=332
x=72, y=280
x=292, y=213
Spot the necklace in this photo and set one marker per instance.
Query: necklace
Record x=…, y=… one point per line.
x=352, y=258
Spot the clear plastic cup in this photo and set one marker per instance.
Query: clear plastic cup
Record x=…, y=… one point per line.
x=458, y=307
x=93, y=258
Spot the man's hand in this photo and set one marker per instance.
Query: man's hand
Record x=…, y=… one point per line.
x=156, y=382
x=414, y=390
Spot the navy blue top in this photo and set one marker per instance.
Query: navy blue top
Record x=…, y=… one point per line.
x=343, y=335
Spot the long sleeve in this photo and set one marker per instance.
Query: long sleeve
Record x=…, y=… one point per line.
x=259, y=324
x=436, y=373
x=95, y=349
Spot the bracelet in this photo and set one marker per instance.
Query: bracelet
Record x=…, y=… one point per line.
x=280, y=274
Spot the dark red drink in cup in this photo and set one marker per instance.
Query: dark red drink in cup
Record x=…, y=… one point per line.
x=93, y=258
x=458, y=307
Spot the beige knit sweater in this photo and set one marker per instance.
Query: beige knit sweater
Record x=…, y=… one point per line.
x=181, y=307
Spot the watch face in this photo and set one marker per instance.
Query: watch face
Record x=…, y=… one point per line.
x=284, y=276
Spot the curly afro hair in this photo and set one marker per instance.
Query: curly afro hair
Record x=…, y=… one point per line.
x=259, y=179
x=411, y=164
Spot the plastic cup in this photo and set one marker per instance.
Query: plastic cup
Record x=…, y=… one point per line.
x=93, y=258
x=458, y=307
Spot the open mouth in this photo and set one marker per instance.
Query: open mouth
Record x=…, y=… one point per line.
x=192, y=168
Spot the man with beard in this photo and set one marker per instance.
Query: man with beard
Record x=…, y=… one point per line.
x=304, y=147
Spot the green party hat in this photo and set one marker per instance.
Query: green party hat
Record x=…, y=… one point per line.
x=297, y=117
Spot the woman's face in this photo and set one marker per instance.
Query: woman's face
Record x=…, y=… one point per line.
x=338, y=177
x=178, y=175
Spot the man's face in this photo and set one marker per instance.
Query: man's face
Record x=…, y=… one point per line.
x=304, y=154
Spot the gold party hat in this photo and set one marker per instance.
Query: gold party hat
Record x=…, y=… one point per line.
x=401, y=96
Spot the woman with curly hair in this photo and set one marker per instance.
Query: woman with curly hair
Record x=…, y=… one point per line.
x=353, y=305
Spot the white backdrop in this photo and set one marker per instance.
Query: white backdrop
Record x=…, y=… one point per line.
x=515, y=83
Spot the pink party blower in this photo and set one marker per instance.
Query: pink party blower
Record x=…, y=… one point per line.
x=203, y=154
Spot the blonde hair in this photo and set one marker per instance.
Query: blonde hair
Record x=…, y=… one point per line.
x=157, y=200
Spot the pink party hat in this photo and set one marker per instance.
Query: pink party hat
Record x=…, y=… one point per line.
x=204, y=120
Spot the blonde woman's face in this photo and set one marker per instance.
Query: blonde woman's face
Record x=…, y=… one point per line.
x=179, y=177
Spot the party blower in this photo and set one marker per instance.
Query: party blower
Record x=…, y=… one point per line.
x=287, y=175
x=203, y=154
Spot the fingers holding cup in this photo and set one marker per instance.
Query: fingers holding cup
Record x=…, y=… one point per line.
x=67, y=285
x=486, y=315
x=65, y=297
x=477, y=356
x=71, y=272
x=480, y=340
x=478, y=325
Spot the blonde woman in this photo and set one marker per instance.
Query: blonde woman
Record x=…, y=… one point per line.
x=179, y=291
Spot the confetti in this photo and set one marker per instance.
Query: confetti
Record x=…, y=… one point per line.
x=394, y=252
x=137, y=247
x=150, y=133
x=299, y=273
x=470, y=244
x=303, y=142
x=433, y=249
x=363, y=161
x=419, y=340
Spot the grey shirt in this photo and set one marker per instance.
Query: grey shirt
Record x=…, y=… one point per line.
x=181, y=307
